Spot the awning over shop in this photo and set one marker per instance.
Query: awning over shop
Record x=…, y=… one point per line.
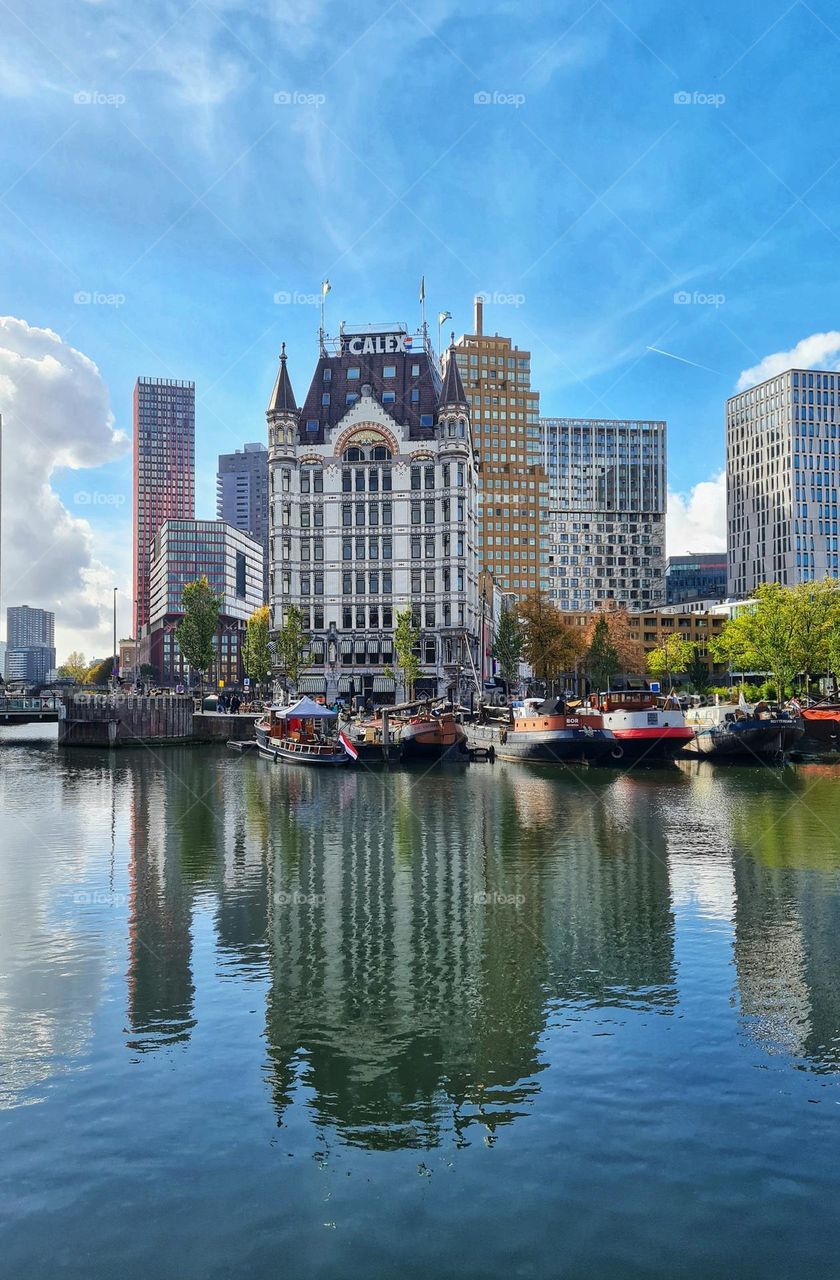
x=384, y=684
x=346, y=684
x=346, y=646
x=312, y=684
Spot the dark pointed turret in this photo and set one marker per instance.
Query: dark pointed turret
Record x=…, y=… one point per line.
x=452, y=391
x=282, y=397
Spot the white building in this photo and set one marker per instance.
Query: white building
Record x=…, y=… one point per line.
x=608, y=498
x=373, y=508
x=782, y=453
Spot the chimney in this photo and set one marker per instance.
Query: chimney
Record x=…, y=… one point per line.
x=479, y=314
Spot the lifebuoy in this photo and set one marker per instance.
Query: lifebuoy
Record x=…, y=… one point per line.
x=617, y=753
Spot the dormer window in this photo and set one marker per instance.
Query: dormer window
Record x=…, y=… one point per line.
x=426, y=420
x=353, y=373
x=328, y=375
x=389, y=371
x=388, y=397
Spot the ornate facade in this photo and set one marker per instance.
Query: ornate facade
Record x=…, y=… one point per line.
x=373, y=508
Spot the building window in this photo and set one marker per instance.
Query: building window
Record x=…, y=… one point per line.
x=389, y=371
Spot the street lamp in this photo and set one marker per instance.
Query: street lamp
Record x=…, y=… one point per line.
x=114, y=666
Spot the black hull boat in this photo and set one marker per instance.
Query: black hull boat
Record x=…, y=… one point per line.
x=544, y=731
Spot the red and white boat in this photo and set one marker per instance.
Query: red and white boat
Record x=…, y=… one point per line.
x=646, y=732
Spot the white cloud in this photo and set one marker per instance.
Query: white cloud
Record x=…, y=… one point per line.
x=56, y=413
x=820, y=351
x=696, y=520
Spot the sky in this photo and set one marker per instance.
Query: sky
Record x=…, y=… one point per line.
x=647, y=194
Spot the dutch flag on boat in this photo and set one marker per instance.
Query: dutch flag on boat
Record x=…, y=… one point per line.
x=348, y=745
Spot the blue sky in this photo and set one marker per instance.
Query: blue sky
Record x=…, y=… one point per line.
x=629, y=153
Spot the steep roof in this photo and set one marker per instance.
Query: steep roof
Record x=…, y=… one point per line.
x=282, y=397
x=452, y=391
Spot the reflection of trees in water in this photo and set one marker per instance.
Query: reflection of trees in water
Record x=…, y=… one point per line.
x=787, y=918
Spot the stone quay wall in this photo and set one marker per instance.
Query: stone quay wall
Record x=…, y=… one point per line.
x=121, y=720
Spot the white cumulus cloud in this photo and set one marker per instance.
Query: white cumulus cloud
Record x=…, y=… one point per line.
x=696, y=520
x=820, y=351
x=56, y=413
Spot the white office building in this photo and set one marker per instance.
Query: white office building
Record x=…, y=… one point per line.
x=607, y=498
x=373, y=508
x=782, y=451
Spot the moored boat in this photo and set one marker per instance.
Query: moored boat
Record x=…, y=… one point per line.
x=821, y=725
x=735, y=732
x=646, y=732
x=430, y=734
x=303, y=733
x=544, y=730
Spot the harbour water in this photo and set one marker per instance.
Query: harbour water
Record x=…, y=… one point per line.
x=259, y=1021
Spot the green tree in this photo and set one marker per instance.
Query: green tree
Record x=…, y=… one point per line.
x=697, y=671
x=602, y=660
x=75, y=667
x=550, y=645
x=507, y=646
x=406, y=641
x=816, y=608
x=256, y=657
x=671, y=657
x=197, y=628
x=289, y=645
x=763, y=637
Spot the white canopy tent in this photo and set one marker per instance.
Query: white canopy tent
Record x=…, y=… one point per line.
x=304, y=709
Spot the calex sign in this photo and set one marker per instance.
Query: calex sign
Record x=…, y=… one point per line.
x=379, y=344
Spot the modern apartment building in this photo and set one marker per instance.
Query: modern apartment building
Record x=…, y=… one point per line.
x=164, y=471
x=242, y=495
x=374, y=497
x=608, y=498
x=695, y=577
x=30, y=643
x=652, y=628
x=782, y=452
x=182, y=552
x=513, y=517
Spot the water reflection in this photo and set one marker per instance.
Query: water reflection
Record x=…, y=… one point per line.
x=413, y=939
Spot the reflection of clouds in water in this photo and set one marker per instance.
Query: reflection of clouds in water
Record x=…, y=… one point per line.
x=52, y=957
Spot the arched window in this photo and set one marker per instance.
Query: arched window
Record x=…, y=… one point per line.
x=379, y=453
x=354, y=455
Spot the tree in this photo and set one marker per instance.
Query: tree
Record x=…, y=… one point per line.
x=763, y=637
x=197, y=629
x=631, y=655
x=602, y=660
x=817, y=617
x=671, y=657
x=102, y=672
x=406, y=641
x=289, y=645
x=507, y=646
x=256, y=658
x=697, y=671
x=550, y=645
x=75, y=668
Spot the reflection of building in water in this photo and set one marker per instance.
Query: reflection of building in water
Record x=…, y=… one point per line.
x=399, y=995
x=788, y=920
x=418, y=928
x=196, y=836
x=609, y=923
x=160, y=986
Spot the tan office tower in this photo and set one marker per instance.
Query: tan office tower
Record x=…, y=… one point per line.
x=505, y=413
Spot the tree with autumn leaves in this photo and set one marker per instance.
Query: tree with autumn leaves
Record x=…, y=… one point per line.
x=550, y=645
